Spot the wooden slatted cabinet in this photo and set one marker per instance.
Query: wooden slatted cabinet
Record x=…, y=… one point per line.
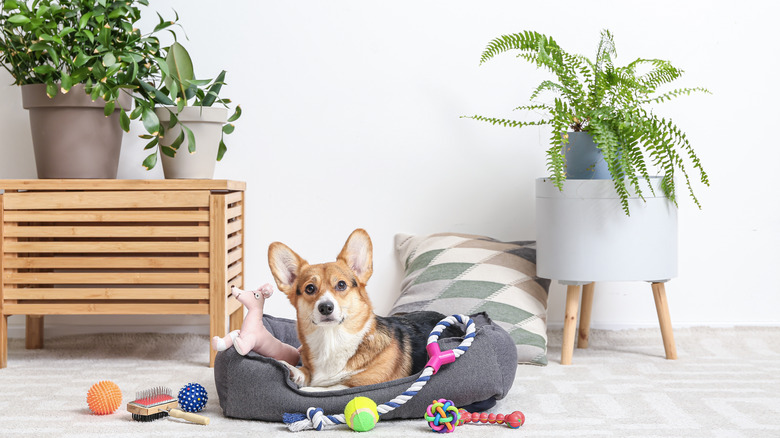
x=73, y=247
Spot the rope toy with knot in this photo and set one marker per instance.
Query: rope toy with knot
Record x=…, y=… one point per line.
x=316, y=419
x=442, y=416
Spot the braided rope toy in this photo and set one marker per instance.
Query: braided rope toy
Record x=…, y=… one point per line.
x=316, y=419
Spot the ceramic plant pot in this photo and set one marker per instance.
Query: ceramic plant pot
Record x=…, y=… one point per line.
x=206, y=125
x=72, y=138
x=583, y=158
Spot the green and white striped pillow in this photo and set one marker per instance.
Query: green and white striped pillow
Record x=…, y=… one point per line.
x=458, y=273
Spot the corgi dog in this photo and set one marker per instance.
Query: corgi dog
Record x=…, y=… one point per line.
x=343, y=343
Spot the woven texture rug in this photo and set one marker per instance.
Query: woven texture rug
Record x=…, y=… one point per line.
x=726, y=383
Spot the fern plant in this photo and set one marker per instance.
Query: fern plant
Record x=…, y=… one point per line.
x=609, y=102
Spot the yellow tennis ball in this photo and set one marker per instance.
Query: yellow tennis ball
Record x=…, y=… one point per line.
x=361, y=414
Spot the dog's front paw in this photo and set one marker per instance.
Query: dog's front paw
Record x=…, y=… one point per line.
x=296, y=375
x=323, y=388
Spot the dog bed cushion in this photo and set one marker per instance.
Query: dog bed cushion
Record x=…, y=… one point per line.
x=461, y=273
x=255, y=387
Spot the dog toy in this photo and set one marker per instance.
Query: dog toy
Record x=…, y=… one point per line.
x=315, y=418
x=193, y=397
x=104, y=397
x=513, y=420
x=156, y=403
x=361, y=414
x=253, y=335
x=442, y=416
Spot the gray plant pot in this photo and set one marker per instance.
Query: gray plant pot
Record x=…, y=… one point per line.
x=206, y=125
x=72, y=138
x=583, y=158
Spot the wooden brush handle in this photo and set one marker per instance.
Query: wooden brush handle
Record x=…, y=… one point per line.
x=189, y=416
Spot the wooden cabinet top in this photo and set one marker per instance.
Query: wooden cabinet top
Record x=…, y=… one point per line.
x=121, y=184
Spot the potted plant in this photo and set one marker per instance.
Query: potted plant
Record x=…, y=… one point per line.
x=77, y=62
x=604, y=107
x=190, y=110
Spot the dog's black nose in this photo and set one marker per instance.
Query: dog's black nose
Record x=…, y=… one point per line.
x=325, y=308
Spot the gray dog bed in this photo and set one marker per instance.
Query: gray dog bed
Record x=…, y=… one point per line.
x=255, y=387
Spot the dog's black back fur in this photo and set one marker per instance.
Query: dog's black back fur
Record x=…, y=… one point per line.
x=413, y=329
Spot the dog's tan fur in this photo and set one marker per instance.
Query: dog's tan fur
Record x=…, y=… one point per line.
x=347, y=347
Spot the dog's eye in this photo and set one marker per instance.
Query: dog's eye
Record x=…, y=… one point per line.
x=310, y=289
x=341, y=286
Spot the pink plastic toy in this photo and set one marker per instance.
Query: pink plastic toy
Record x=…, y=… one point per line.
x=253, y=335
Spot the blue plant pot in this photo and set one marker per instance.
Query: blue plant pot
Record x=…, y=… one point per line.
x=583, y=158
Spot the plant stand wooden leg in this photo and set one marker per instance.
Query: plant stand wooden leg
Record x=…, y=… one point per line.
x=586, y=307
x=570, y=323
x=662, y=307
x=33, y=332
x=3, y=340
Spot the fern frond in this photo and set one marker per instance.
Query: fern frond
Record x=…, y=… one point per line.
x=556, y=165
x=606, y=50
x=525, y=41
x=676, y=93
x=547, y=86
x=538, y=107
x=506, y=122
x=607, y=140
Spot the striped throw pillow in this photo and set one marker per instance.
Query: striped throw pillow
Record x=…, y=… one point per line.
x=458, y=273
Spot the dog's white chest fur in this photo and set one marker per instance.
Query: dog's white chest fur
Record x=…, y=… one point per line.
x=330, y=350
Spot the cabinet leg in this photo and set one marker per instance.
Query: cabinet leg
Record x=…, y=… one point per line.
x=570, y=323
x=586, y=306
x=216, y=328
x=33, y=332
x=236, y=319
x=3, y=340
x=665, y=321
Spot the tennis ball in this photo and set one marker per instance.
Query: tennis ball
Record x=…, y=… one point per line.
x=361, y=414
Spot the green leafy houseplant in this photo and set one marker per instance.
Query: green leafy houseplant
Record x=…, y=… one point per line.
x=609, y=102
x=177, y=88
x=91, y=42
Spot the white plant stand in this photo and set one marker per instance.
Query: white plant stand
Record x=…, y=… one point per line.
x=583, y=236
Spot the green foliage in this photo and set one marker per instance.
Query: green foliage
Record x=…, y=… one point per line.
x=611, y=104
x=177, y=88
x=91, y=42
x=62, y=43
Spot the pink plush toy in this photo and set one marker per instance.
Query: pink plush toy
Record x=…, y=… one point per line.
x=253, y=335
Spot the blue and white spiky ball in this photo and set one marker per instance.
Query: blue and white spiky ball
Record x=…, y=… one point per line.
x=193, y=397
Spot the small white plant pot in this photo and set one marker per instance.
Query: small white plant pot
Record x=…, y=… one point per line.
x=584, y=235
x=206, y=125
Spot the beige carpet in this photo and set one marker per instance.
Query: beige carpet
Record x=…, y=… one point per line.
x=726, y=383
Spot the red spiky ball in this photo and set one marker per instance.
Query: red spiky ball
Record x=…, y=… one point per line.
x=104, y=397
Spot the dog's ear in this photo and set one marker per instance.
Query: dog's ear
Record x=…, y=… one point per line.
x=357, y=254
x=285, y=266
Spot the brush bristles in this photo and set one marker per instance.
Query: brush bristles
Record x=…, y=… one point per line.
x=152, y=393
x=152, y=417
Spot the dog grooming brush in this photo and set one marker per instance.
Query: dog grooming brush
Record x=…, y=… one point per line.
x=158, y=402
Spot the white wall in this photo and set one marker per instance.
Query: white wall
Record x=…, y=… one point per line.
x=351, y=119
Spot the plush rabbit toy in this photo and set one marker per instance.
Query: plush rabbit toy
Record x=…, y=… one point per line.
x=253, y=335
